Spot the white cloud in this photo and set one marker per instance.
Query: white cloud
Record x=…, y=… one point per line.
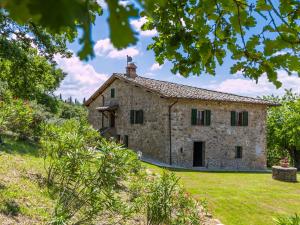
x=102, y=3
x=82, y=79
x=124, y=3
x=149, y=75
x=105, y=48
x=137, y=24
x=156, y=66
x=263, y=87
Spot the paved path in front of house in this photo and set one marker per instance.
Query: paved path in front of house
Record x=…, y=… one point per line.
x=165, y=165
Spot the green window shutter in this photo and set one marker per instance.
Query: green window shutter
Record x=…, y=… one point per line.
x=194, y=116
x=233, y=118
x=132, y=116
x=245, y=118
x=207, y=117
x=112, y=93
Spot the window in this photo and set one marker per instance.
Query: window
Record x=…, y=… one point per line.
x=136, y=116
x=238, y=152
x=201, y=117
x=112, y=93
x=125, y=141
x=239, y=118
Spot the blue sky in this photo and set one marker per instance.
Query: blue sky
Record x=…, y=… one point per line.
x=85, y=77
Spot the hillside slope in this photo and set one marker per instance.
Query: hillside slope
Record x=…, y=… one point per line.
x=23, y=197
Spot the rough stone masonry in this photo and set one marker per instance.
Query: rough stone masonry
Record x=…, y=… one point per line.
x=181, y=125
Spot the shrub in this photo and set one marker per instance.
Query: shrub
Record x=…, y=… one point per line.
x=85, y=173
x=39, y=116
x=288, y=220
x=93, y=178
x=11, y=208
x=164, y=201
x=16, y=116
x=68, y=111
x=23, y=118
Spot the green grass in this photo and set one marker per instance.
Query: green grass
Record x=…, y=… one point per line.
x=234, y=198
x=23, y=198
x=241, y=198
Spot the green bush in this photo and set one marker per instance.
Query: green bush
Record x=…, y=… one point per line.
x=11, y=208
x=68, y=111
x=288, y=220
x=164, y=201
x=16, y=116
x=23, y=118
x=86, y=174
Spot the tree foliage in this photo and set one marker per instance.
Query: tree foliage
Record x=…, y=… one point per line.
x=15, y=39
x=260, y=36
x=57, y=17
x=283, y=128
x=31, y=76
x=27, y=63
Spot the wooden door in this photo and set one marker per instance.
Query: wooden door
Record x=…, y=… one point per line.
x=198, y=159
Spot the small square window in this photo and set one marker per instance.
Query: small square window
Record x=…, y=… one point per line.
x=238, y=152
x=112, y=93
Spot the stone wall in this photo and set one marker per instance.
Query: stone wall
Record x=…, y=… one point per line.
x=220, y=138
x=152, y=137
x=288, y=174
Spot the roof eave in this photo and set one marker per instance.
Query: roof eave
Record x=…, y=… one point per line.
x=100, y=90
x=221, y=100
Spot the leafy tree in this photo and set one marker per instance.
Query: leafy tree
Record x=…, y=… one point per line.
x=68, y=111
x=27, y=54
x=260, y=36
x=15, y=37
x=58, y=17
x=283, y=129
x=31, y=75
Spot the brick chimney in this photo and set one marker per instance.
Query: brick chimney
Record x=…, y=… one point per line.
x=131, y=70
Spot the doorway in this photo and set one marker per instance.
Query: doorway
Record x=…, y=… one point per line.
x=199, y=154
x=112, y=119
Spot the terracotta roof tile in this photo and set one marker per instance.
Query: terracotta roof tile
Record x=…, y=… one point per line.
x=174, y=90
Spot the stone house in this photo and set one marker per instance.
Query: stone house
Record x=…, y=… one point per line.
x=179, y=124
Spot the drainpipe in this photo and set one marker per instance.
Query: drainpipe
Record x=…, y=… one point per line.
x=102, y=117
x=170, y=130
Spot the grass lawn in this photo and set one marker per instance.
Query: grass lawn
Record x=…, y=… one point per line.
x=23, y=199
x=234, y=198
x=241, y=198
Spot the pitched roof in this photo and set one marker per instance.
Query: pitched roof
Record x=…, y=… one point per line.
x=180, y=91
